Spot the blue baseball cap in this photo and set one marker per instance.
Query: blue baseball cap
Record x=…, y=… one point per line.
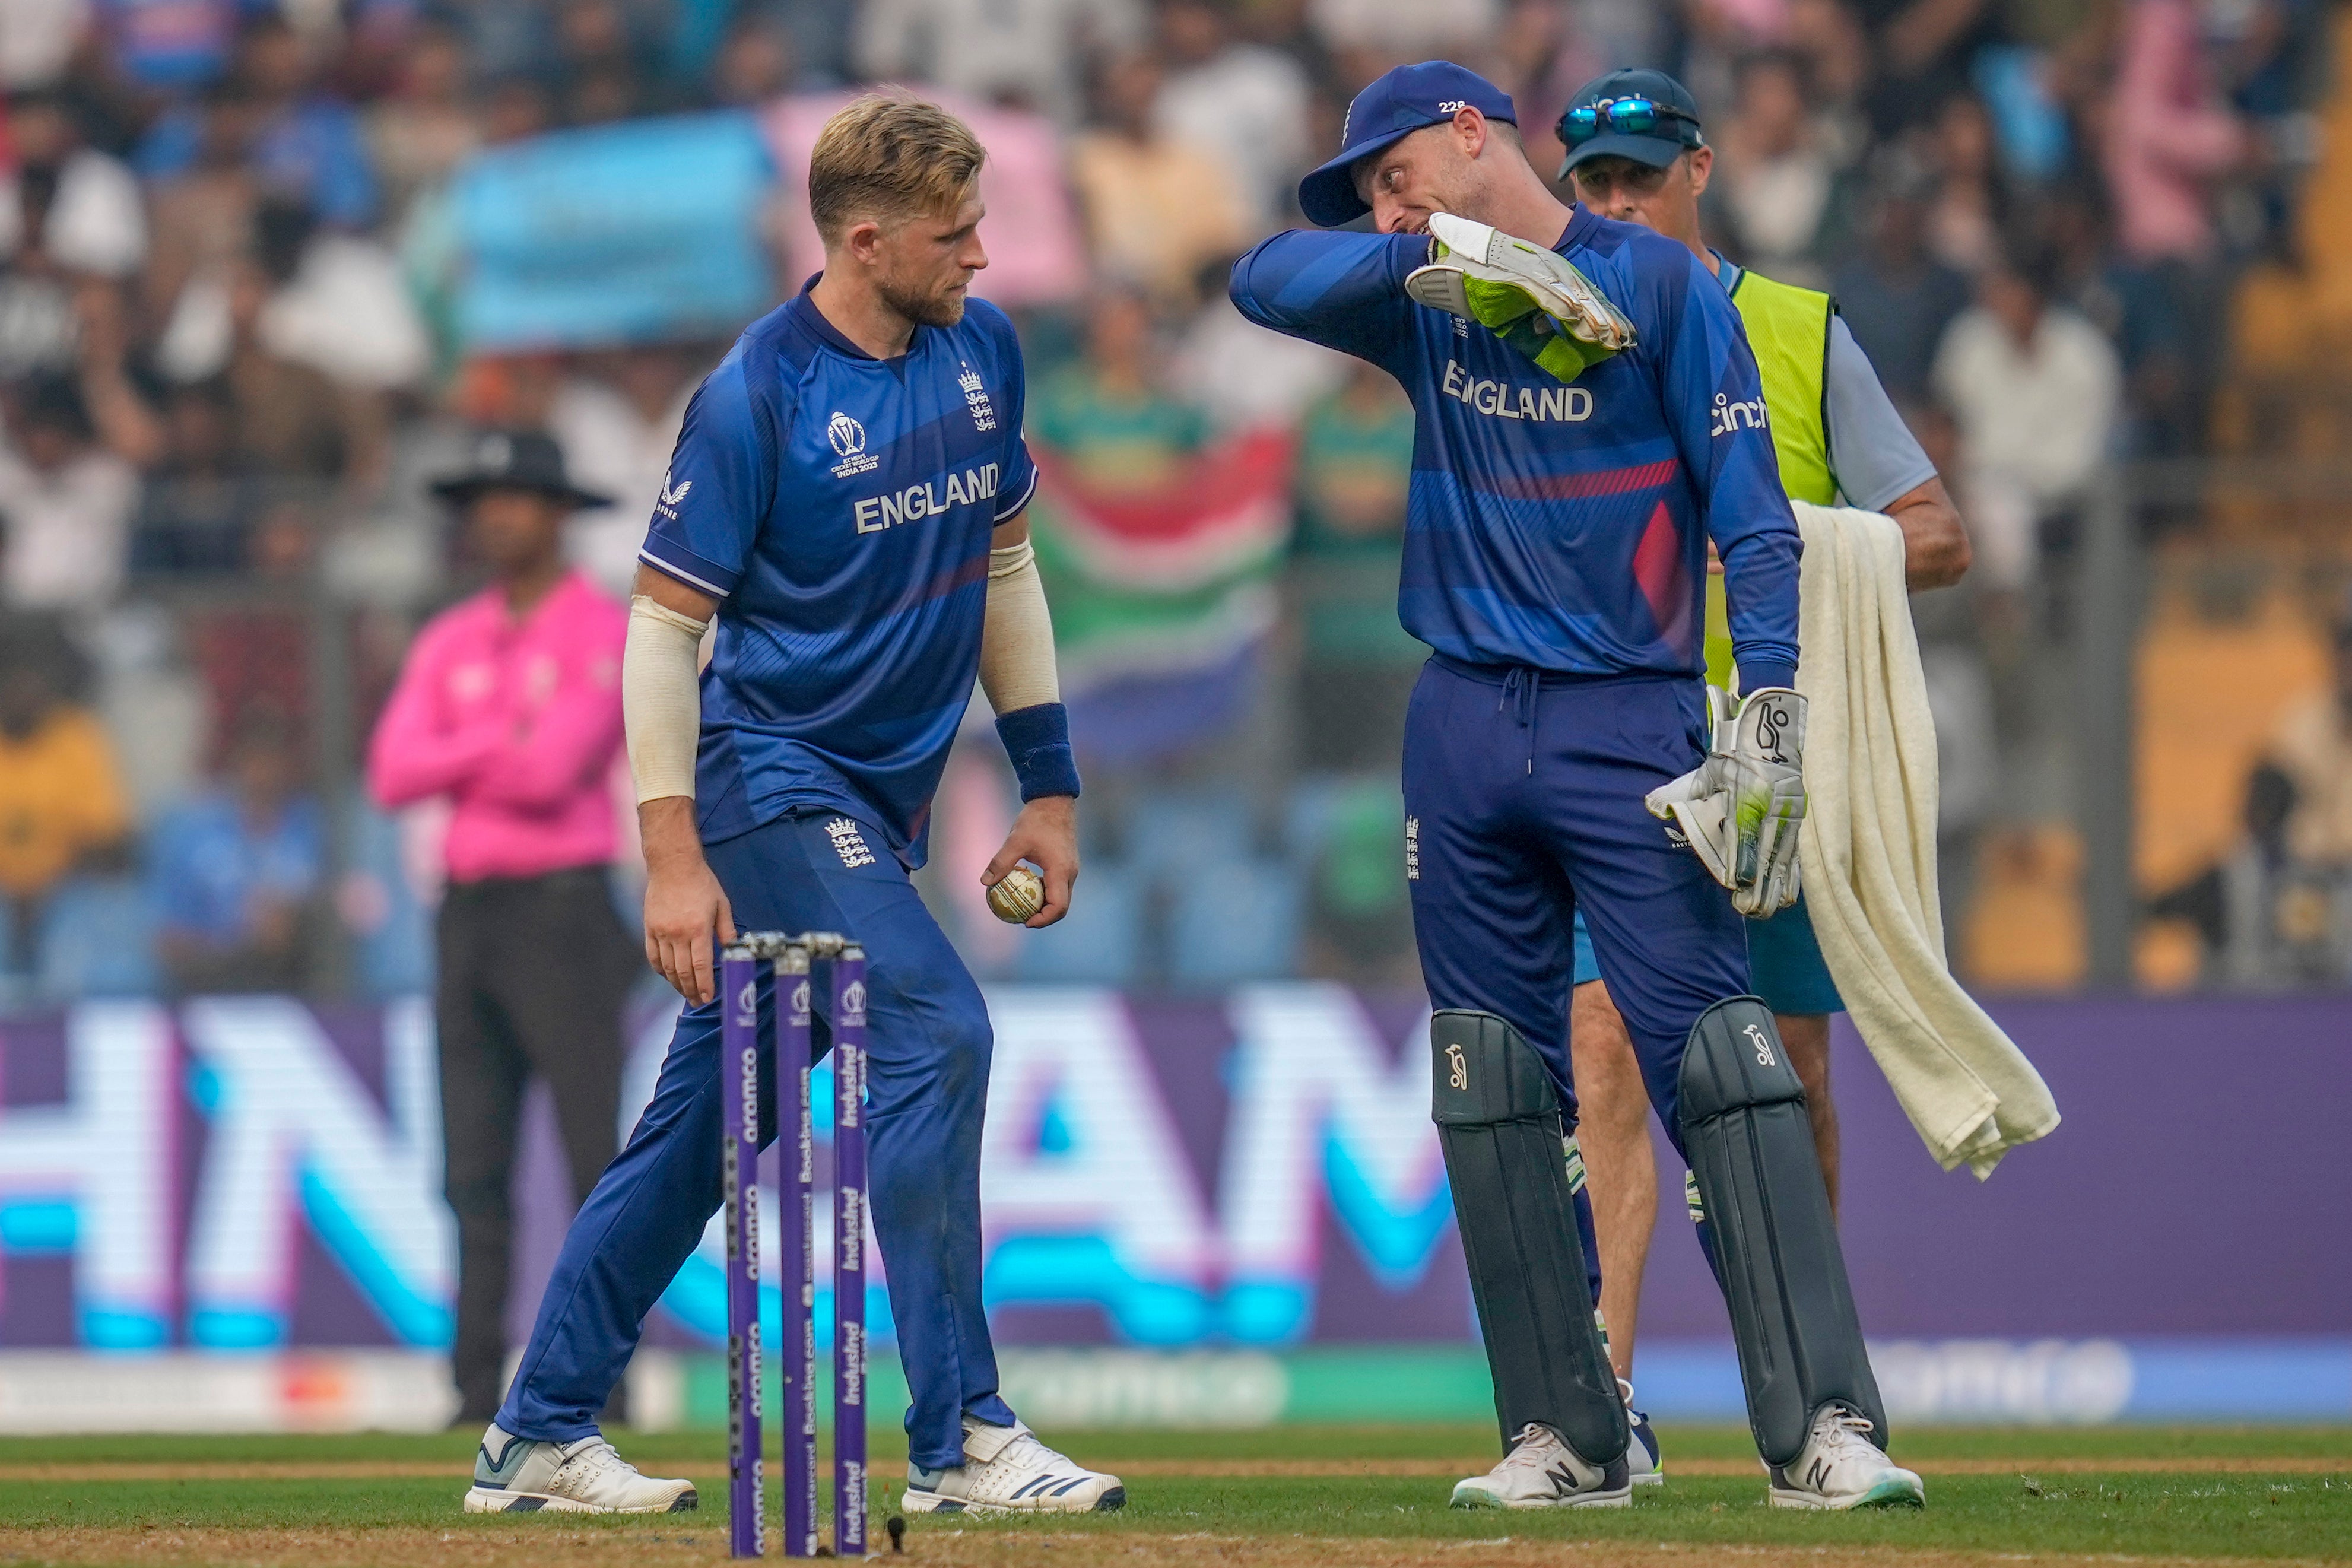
x=1399, y=103
x=1672, y=135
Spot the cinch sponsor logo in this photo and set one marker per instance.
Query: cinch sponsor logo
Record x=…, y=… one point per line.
x=875, y=514
x=1729, y=415
x=1556, y=404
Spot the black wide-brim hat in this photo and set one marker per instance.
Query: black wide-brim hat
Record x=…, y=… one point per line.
x=517, y=460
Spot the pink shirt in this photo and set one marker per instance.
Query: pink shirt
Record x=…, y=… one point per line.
x=2169, y=135
x=517, y=721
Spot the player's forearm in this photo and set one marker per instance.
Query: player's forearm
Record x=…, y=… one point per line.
x=1936, y=552
x=661, y=702
x=1016, y=639
x=1327, y=287
x=1759, y=581
x=1016, y=670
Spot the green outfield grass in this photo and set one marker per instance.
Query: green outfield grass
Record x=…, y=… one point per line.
x=2161, y=1493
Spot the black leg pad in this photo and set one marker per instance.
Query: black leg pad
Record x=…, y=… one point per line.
x=1752, y=1150
x=1498, y=1122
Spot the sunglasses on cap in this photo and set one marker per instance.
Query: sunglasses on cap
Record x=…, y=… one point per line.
x=1622, y=116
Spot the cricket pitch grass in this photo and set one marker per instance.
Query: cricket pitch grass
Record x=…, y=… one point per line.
x=1285, y=1497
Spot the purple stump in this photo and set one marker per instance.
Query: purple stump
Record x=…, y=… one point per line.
x=849, y=1253
x=797, y=1199
x=738, y=1120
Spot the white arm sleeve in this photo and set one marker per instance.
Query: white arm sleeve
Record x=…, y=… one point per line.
x=1016, y=641
x=661, y=704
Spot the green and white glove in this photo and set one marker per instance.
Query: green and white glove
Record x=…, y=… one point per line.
x=1740, y=809
x=1531, y=297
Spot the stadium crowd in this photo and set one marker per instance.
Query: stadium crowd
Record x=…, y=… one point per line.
x=230, y=360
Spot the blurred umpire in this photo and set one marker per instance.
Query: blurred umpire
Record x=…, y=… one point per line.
x=509, y=709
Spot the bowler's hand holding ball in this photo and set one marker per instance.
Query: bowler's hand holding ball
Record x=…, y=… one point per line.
x=1018, y=896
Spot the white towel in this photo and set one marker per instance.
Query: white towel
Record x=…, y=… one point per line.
x=1868, y=851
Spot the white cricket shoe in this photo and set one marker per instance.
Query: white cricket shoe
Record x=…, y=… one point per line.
x=1006, y=1470
x=1541, y=1471
x=517, y=1474
x=1840, y=1468
x=1643, y=1464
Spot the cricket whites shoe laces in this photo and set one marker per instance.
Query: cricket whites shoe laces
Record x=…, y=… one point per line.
x=1840, y=1468
x=1541, y=1471
x=517, y=1474
x=1006, y=1470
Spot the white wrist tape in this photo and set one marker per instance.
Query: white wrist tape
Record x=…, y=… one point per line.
x=661, y=703
x=1016, y=641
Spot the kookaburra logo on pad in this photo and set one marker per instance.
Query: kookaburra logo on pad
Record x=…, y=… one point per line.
x=1763, y=1046
x=1460, y=1075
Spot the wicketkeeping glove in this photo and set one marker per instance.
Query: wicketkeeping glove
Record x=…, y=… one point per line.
x=1531, y=297
x=1740, y=809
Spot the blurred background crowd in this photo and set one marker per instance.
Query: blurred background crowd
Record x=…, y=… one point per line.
x=266, y=264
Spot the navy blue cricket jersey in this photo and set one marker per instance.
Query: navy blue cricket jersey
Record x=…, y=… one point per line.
x=840, y=506
x=1565, y=528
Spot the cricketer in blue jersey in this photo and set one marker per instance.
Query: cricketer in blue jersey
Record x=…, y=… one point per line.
x=1555, y=560
x=845, y=504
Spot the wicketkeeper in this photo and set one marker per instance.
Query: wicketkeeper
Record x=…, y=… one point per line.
x=1589, y=416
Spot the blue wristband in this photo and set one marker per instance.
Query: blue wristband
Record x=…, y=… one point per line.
x=1038, y=741
x=1757, y=675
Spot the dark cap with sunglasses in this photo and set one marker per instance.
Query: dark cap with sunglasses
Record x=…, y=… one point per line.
x=1646, y=116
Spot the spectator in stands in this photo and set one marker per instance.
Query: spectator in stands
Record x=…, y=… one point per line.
x=1109, y=417
x=79, y=208
x=2033, y=387
x=238, y=871
x=1242, y=375
x=62, y=804
x=509, y=709
x=66, y=502
x=417, y=133
x=1358, y=913
x=597, y=76
x=304, y=144
x=616, y=417
x=1970, y=208
x=1356, y=664
x=1775, y=183
x=1029, y=54
x=1896, y=298
x=1247, y=102
x=2171, y=139
x=290, y=420
x=167, y=45
x=203, y=213
x=756, y=63
x=39, y=41
x=1156, y=208
x=198, y=506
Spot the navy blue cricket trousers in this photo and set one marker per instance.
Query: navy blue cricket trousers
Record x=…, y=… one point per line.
x=929, y=1041
x=1523, y=799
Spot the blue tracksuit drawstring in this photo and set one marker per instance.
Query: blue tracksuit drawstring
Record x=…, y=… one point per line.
x=1523, y=685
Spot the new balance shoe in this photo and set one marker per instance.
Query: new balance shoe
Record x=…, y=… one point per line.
x=517, y=1474
x=1541, y=1471
x=1840, y=1468
x=1533, y=298
x=1006, y=1470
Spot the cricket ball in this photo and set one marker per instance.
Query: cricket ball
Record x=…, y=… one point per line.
x=1020, y=895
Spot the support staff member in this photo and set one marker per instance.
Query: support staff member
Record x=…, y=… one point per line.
x=1635, y=153
x=510, y=707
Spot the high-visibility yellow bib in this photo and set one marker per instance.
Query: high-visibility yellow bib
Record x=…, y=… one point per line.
x=1788, y=329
